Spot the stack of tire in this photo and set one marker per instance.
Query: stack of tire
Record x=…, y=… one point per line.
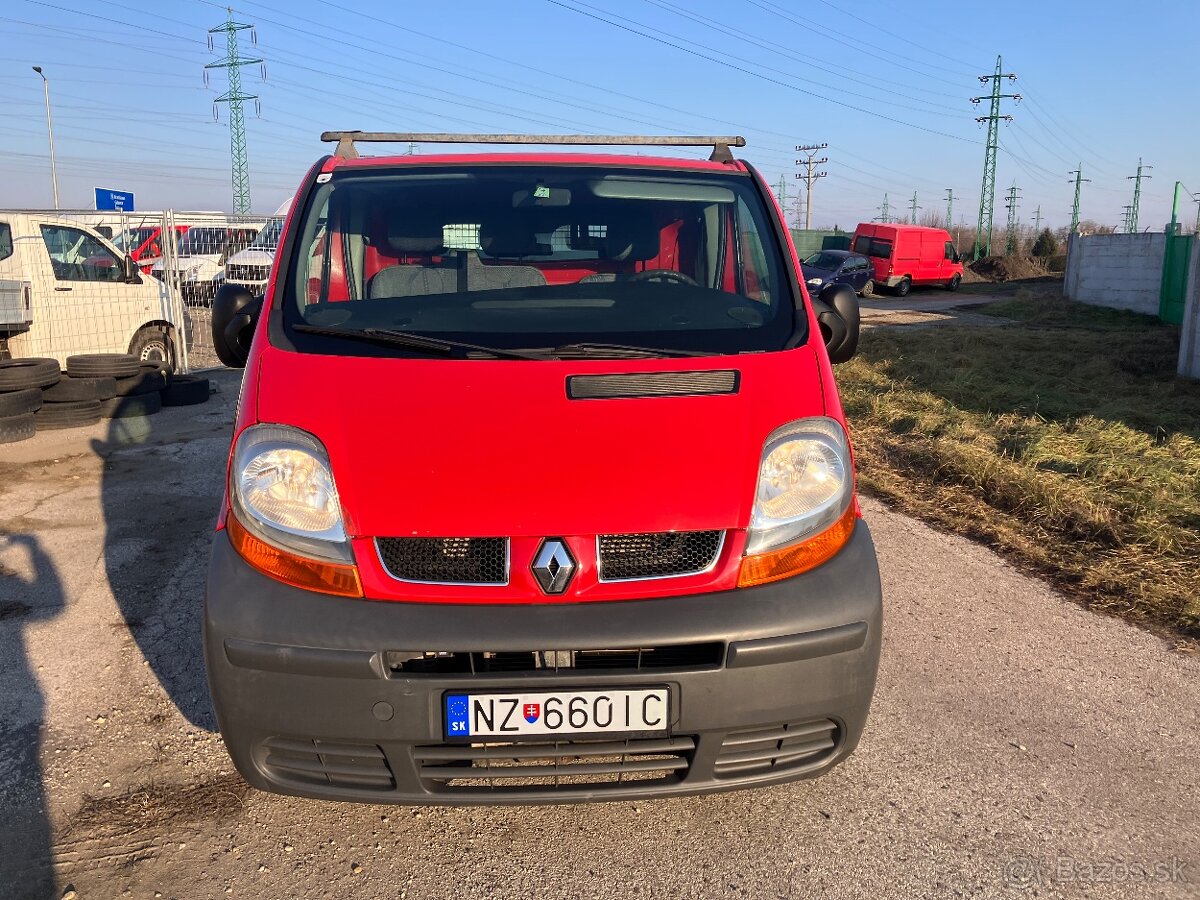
x=35, y=395
x=21, y=383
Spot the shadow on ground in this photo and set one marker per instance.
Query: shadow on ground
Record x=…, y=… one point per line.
x=30, y=592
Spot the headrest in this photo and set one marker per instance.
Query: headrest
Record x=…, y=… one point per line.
x=410, y=231
x=510, y=236
x=632, y=240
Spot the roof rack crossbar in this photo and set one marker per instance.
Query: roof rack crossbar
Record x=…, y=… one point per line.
x=346, y=140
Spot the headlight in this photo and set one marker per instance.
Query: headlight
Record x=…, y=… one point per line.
x=282, y=483
x=816, y=282
x=805, y=484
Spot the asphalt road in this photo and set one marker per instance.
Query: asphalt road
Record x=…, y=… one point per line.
x=1014, y=736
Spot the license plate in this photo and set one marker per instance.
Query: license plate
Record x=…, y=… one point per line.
x=562, y=713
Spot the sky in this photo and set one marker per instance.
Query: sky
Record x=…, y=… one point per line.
x=887, y=85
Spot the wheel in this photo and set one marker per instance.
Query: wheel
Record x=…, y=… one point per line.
x=186, y=390
x=20, y=403
x=663, y=275
x=23, y=374
x=953, y=283
x=868, y=289
x=68, y=389
x=17, y=428
x=132, y=405
x=68, y=415
x=902, y=289
x=102, y=365
x=153, y=344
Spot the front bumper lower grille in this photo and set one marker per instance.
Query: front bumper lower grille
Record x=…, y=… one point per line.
x=758, y=751
x=551, y=765
x=309, y=762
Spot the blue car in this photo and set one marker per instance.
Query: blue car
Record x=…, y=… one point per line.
x=839, y=267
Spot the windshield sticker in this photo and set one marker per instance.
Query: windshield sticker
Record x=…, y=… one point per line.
x=541, y=192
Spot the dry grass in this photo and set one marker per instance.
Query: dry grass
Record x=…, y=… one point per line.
x=1065, y=441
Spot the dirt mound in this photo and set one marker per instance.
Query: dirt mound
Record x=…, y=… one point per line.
x=1006, y=268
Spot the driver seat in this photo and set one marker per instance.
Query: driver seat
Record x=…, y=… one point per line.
x=630, y=241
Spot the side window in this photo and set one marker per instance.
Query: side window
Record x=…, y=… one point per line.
x=950, y=251
x=756, y=275
x=6, y=244
x=78, y=256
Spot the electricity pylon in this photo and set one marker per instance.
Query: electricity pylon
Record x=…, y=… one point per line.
x=987, y=196
x=810, y=175
x=1010, y=236
x=233, y=63
x=1079, y=179
x=1137, y=195
x=949, y=207
x=1037, y=220
x=884, y=214
x=913, y=205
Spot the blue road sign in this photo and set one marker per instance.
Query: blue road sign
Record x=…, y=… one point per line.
x=118, y=201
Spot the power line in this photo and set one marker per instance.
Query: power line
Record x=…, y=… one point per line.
x=810, y=175
x=987, y=195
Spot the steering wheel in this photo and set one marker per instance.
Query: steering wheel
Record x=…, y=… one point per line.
x=669, y=275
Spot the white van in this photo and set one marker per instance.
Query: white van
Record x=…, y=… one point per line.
x=82, y=294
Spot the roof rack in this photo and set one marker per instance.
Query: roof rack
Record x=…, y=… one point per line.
x=347, y=139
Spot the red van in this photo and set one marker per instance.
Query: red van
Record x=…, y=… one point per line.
x=540, y=487
x=904, y=255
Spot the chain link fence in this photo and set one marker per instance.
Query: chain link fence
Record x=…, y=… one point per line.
x=82, y=281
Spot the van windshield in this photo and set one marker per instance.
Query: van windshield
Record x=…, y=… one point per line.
x=539, y=256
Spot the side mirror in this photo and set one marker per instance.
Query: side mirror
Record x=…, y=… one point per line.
x=129, y=271
x=234, y=314
x=837, y=314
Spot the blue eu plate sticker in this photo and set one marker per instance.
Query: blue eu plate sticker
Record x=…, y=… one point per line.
x=456, y=716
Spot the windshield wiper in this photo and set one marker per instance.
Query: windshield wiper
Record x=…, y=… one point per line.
x=416, y=341
x=619, y=351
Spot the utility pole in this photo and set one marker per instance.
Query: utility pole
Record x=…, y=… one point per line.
x=810, y=175
x=49, y=131
x=884, y=213
x=913, y=220
x=233, y=63
x=987, y=196
x=1079, y=179
x=1010, y=236
x=1037, y=220
x=949, y=207
x=1196, y=197
x=1137, y=195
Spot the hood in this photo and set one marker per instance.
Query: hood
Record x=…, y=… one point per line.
x=252, y=256
x=487, y=448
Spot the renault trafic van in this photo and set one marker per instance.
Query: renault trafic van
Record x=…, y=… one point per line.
x=540, y=489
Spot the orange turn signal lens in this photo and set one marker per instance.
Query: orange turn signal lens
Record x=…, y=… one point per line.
x=796, y=558
x=298, y=571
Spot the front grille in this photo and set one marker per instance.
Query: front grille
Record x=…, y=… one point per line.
x=652, y=384
x=624, y=557
x=780, y=747
x=247, y=273
x=360, y=766
x=446, y=560
x=555, y=765
x=404, y=664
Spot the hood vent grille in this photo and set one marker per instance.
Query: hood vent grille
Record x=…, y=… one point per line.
x=653, y=384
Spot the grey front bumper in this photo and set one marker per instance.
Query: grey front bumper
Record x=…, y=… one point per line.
x=303, y=677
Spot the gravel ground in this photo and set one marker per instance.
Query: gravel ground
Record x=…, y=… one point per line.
x=1015, y=737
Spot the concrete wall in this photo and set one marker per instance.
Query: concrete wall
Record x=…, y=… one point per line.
x=1123, y=271
x=1189, y=338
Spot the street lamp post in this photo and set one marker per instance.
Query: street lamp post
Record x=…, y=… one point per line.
x=50, y=132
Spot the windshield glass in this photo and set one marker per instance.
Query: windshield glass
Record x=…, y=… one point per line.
x=824, y=261
x=521, y=257
x=200, y=241
x=268, y=238
x=133, y=238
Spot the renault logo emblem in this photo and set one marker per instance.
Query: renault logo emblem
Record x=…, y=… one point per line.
x=553, y=566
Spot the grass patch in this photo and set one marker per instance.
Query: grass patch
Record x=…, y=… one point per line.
x=1066, y=441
